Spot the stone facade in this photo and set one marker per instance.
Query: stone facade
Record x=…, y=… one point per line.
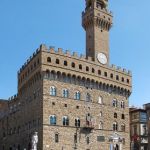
x=73, y=102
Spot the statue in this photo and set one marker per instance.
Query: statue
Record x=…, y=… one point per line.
x=34, y=141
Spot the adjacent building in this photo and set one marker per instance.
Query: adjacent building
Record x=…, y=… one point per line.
x=147, y=108
x=73, y=102
x=138, y=129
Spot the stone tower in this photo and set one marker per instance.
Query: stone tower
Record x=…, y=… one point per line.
x=97, y=21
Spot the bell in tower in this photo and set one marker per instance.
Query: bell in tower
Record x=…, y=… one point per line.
x=97, y=21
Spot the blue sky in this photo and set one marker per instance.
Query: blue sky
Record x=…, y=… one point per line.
x=25, y=24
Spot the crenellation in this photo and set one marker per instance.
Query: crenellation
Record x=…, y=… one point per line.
x=68, y=53
x=37, y=50
x=28, y=61
x=52, y=49
x=82, y=57
x=129, y=72
x=113, y=66
x=75, y=54
x=118, y=68
x=34, y=54
x=90, y=59
x=60, y=51
x=124, y=70
x=43, y=47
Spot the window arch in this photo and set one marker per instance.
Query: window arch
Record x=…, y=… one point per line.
x=57, y=61
x=115, y=126
x=123, y=127
x=117, y=77
x=87, y=140
x=115, y=115
x=65, y=63
x=111, y=75
x=114, y=103
x=101, y=125
x=100, y=100
x=73, y=65
x=122, y=116
x=87, y=68
x=56, y=137
x=99, y=72
x=65, y=120
x=65, y=93
x=100, y=114
x=105, y=74
x=88, y=97
x=52, y=91
x=77, y=95
x=122, y=104
x=77, y=122
x=93, y=70
x=48, y=59
x=122, y=79
x=52, y=120
x=80, y=67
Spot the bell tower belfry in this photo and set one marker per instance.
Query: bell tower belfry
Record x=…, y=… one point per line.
x=97, y=21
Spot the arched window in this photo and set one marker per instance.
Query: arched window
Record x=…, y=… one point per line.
x=88, y=97
x=115, y=126
x=73, y=65
x=114, y=103
x=115, y=115
x=105, y=74
x=52, y=91
x=53, y=75
x=80, y=67
x=52, y=120
x=101, y=125
x=122, y=79
x=65, y=120
x=65, y=63
x=77, y=122
x=48, y=59
x=65, y=93
x=100, y=100
x=87, y=140
x=75, y=138
x=128, y=81
x=122, y=116
x=57, y=61
x=100, y=114
x=99, y=72
x=123, y=127
x=122, y=104
x=87, y=68
x=77, y=95
x=111, y=75
x=93, y=70
x=56, y=137
x=117, y=77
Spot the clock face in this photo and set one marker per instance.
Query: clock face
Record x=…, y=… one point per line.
x=102, y=58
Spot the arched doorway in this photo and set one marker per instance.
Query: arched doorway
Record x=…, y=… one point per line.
x=116, y=147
